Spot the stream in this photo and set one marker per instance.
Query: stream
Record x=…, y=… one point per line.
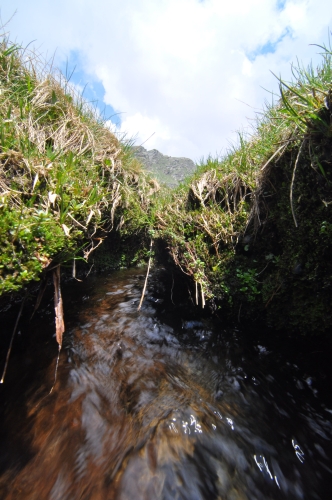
x=160, y=404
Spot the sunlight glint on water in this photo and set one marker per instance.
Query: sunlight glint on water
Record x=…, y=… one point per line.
x=150, y=405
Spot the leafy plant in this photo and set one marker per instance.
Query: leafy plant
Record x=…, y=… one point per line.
x=248, y=283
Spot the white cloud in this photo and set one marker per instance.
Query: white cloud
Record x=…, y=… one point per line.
x=144, y=126
x=246, y=67
x=181, y=69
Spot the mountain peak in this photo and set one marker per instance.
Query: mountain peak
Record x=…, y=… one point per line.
x=169, y=170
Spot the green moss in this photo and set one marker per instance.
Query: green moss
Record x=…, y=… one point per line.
x=28, y=239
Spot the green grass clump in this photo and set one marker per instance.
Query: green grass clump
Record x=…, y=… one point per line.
x=252, y=228
x=65, y=180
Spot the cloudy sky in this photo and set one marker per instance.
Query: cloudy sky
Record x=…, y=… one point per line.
x=182, y=75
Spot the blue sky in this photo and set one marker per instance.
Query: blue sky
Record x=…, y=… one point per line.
x=182, y=75
x=271, y=46
x=91, y=88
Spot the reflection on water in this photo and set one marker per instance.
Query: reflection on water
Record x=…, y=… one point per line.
x=150, y=405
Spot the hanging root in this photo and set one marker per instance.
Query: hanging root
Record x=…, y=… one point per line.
x=59, y=323
x=58, y=307
x=55, y=373
x=202, y=296
x=292, y=183
x=11, y=340
x=39, y=297
x=172, y=289
x=146, y=279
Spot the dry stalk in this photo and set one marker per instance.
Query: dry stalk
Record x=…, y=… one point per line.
x=274, y=155
x=161, y=220
x=202, y=296
x=76, y=223
x=115, y=202
x=146, y=278
x=177, y=262
x=205, y=188
x=292, y=183
x=74, y=271
x=58, y=307
x=11, y=340
x=86, y=253
x=205, y=226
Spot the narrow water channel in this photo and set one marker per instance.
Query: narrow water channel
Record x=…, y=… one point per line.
x=160, y=405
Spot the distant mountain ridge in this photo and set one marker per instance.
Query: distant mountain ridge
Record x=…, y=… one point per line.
x=167, y=169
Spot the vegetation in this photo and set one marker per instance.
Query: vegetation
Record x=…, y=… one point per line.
x=252, y=230
x=65, y=180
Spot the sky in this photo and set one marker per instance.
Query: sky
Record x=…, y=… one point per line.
x=180, y=76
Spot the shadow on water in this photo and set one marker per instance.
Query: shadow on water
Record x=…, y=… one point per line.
x=159, y=404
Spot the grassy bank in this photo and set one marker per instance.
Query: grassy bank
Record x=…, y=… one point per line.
x=66, y=181
x=253, y=230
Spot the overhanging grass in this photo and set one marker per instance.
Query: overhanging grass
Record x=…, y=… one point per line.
x=243, y=222
x=65, y=180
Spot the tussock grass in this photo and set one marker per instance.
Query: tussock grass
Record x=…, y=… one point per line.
x=252, y=228
x=219, y=226
x=65, y=180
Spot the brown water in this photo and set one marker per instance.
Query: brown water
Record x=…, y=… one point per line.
x=153, y=405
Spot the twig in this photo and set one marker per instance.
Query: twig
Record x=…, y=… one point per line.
x=89, y=270
x=12, y=339
x=292, y=183
x=86, y=253
x=74, y=271
x=146, y=279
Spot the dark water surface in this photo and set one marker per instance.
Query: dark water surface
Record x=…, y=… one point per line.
x=156, y=405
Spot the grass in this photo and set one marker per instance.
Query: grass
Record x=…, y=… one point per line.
x=251, y=229
x=243, y=221
x=65, y=180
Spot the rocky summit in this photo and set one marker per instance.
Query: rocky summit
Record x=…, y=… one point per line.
x=169, y=170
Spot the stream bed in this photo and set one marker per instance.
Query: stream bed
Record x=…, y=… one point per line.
x=157, y=404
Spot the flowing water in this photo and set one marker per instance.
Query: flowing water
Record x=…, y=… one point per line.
x=159, y=405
